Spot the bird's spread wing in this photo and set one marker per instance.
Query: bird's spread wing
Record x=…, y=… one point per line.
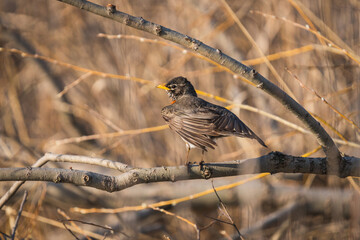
x=193, y=130
x=227, y=123
x=199, y=127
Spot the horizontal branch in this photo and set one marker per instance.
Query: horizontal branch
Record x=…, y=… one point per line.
x=274, y=162
x=59, y=175
x=65, y=158
x=52, y=157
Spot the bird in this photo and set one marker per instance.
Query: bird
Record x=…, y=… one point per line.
x=198, y=122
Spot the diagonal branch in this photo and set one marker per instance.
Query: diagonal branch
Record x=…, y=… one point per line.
x=334, y=159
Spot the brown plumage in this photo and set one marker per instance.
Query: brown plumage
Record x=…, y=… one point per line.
x=199, y=122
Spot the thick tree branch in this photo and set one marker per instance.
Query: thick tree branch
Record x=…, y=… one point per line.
x=59, y=175
x=65, y=158
x=273, y=162
x=334, y=159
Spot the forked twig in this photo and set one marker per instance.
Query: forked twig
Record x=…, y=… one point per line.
x=226, y=213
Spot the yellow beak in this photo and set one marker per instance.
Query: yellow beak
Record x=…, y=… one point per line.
x=162, y=87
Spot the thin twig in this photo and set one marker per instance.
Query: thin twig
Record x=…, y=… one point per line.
x=258, y=49
x=67, y=218
x=224, y=210
x=323, y=99
x=51, y=222
x=73, y=84
x=110, y=135
x=63, y=222
x=346, y=50
x=4, y=235
x=180, y=218
x=91, y=224
x=19, y=215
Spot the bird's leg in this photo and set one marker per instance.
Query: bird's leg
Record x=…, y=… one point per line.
x=202, y=157
x=187, y=156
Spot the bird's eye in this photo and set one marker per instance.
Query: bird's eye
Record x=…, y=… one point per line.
x=172, y=86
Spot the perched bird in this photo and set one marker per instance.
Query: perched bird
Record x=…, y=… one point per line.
x=199, y=122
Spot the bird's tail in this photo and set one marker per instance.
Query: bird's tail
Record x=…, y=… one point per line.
x=245, y=131
x=259, y=140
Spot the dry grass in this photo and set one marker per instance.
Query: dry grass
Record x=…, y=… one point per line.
x=34, y=117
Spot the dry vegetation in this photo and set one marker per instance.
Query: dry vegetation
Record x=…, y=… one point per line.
x=33, y=115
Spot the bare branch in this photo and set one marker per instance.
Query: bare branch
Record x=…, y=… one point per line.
x=273, y=162
x=82, y=159
x=58, y=175
x=334, y=158
x=65, y=158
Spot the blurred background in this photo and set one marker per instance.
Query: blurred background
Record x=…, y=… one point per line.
x=36, y=113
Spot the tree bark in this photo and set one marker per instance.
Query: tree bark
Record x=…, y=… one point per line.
x=274, y=162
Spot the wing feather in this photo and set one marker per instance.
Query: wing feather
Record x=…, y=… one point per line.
x=199, y=126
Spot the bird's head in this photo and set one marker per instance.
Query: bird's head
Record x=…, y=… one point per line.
x=178, y=87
